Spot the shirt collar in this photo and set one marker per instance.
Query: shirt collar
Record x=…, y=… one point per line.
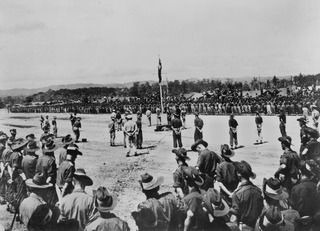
x=79, y=190
x=37, y=197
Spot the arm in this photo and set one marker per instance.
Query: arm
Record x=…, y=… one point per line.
x=180, y=192
x=187, y=221
x=52, y=171
x=200, y=162
x=69, y=178
x=224, y=189
x=235, y=205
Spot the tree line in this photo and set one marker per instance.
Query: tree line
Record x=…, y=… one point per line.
x=151, y=90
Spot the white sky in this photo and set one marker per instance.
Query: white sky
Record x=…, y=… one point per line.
x=45, y=42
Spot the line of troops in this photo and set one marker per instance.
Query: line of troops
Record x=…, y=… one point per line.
x=216, y=194
x=234, y=105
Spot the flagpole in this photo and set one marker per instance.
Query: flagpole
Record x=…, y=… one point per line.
x=162, y=111
x=160, y=80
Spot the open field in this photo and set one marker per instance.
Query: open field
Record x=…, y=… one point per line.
x=108, y=165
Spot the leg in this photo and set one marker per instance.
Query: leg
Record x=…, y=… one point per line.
x=174, y=140
x=231, y=138
x=283, y=129
x=235, y=137
x=128, y=145
x=124, y=140
x=179, y=141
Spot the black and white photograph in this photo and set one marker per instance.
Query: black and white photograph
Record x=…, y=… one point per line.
x=172, y=115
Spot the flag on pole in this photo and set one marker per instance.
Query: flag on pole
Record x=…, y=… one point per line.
x=159, y=71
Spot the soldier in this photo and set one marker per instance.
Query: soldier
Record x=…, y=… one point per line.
x=67, y=169
x=55, y=127
x=303, y=136
x=183, y=117
x=112, y=131
x=176, y=126
x=158, y=113
x=315, y=115
x=76, y=128
x=139, y=135
x=259, y=122
x=130, y=129
x=179, y=183
x=233, y=124
x=159, y=211
x=247, y=200
x=283, y=120
x=198, y=123
x=289, y=163
x=148, y=114
x=105, y=202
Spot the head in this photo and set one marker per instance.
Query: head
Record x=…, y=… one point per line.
x=38, y=185
x=181, y=155
x=214, y=204
x=274, y=193
x=104, y=200
x=30, y=137
x=73, y=152
x=199, y=146
x=226, y=152
x=3, y=137
x=302, y=121
x=271, y=219
x=150, y=185
x=285, y=142
x=13, y=132
x=129, y=117
x=244, y=170
x=231, y=116
x=193, y=177
x=80, y=179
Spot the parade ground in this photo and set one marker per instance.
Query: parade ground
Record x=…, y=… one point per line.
x=109, y=167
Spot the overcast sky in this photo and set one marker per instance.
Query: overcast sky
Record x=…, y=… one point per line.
x=45, y=42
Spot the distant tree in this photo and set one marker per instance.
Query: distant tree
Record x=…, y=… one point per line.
x=246, y=86
x=2, y=104
x=134, y=90
x=275, y=81
x=268, y=84
x=254, y=83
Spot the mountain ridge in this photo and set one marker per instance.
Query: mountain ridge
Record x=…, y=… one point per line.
x=30, y=91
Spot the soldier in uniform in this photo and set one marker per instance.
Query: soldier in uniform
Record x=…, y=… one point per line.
x=198, y=123
x=130, y=129
x=179, y=182
x=233, y=124
x=176, y=126
x=259, y=122
x=303, y=136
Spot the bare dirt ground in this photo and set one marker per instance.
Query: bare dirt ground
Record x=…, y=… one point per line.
x=109, y=167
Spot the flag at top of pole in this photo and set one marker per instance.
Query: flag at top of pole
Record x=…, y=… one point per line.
x=159, y=71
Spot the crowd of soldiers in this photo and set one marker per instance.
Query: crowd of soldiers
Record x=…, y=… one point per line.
x=42, y=185
x=218, y=104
